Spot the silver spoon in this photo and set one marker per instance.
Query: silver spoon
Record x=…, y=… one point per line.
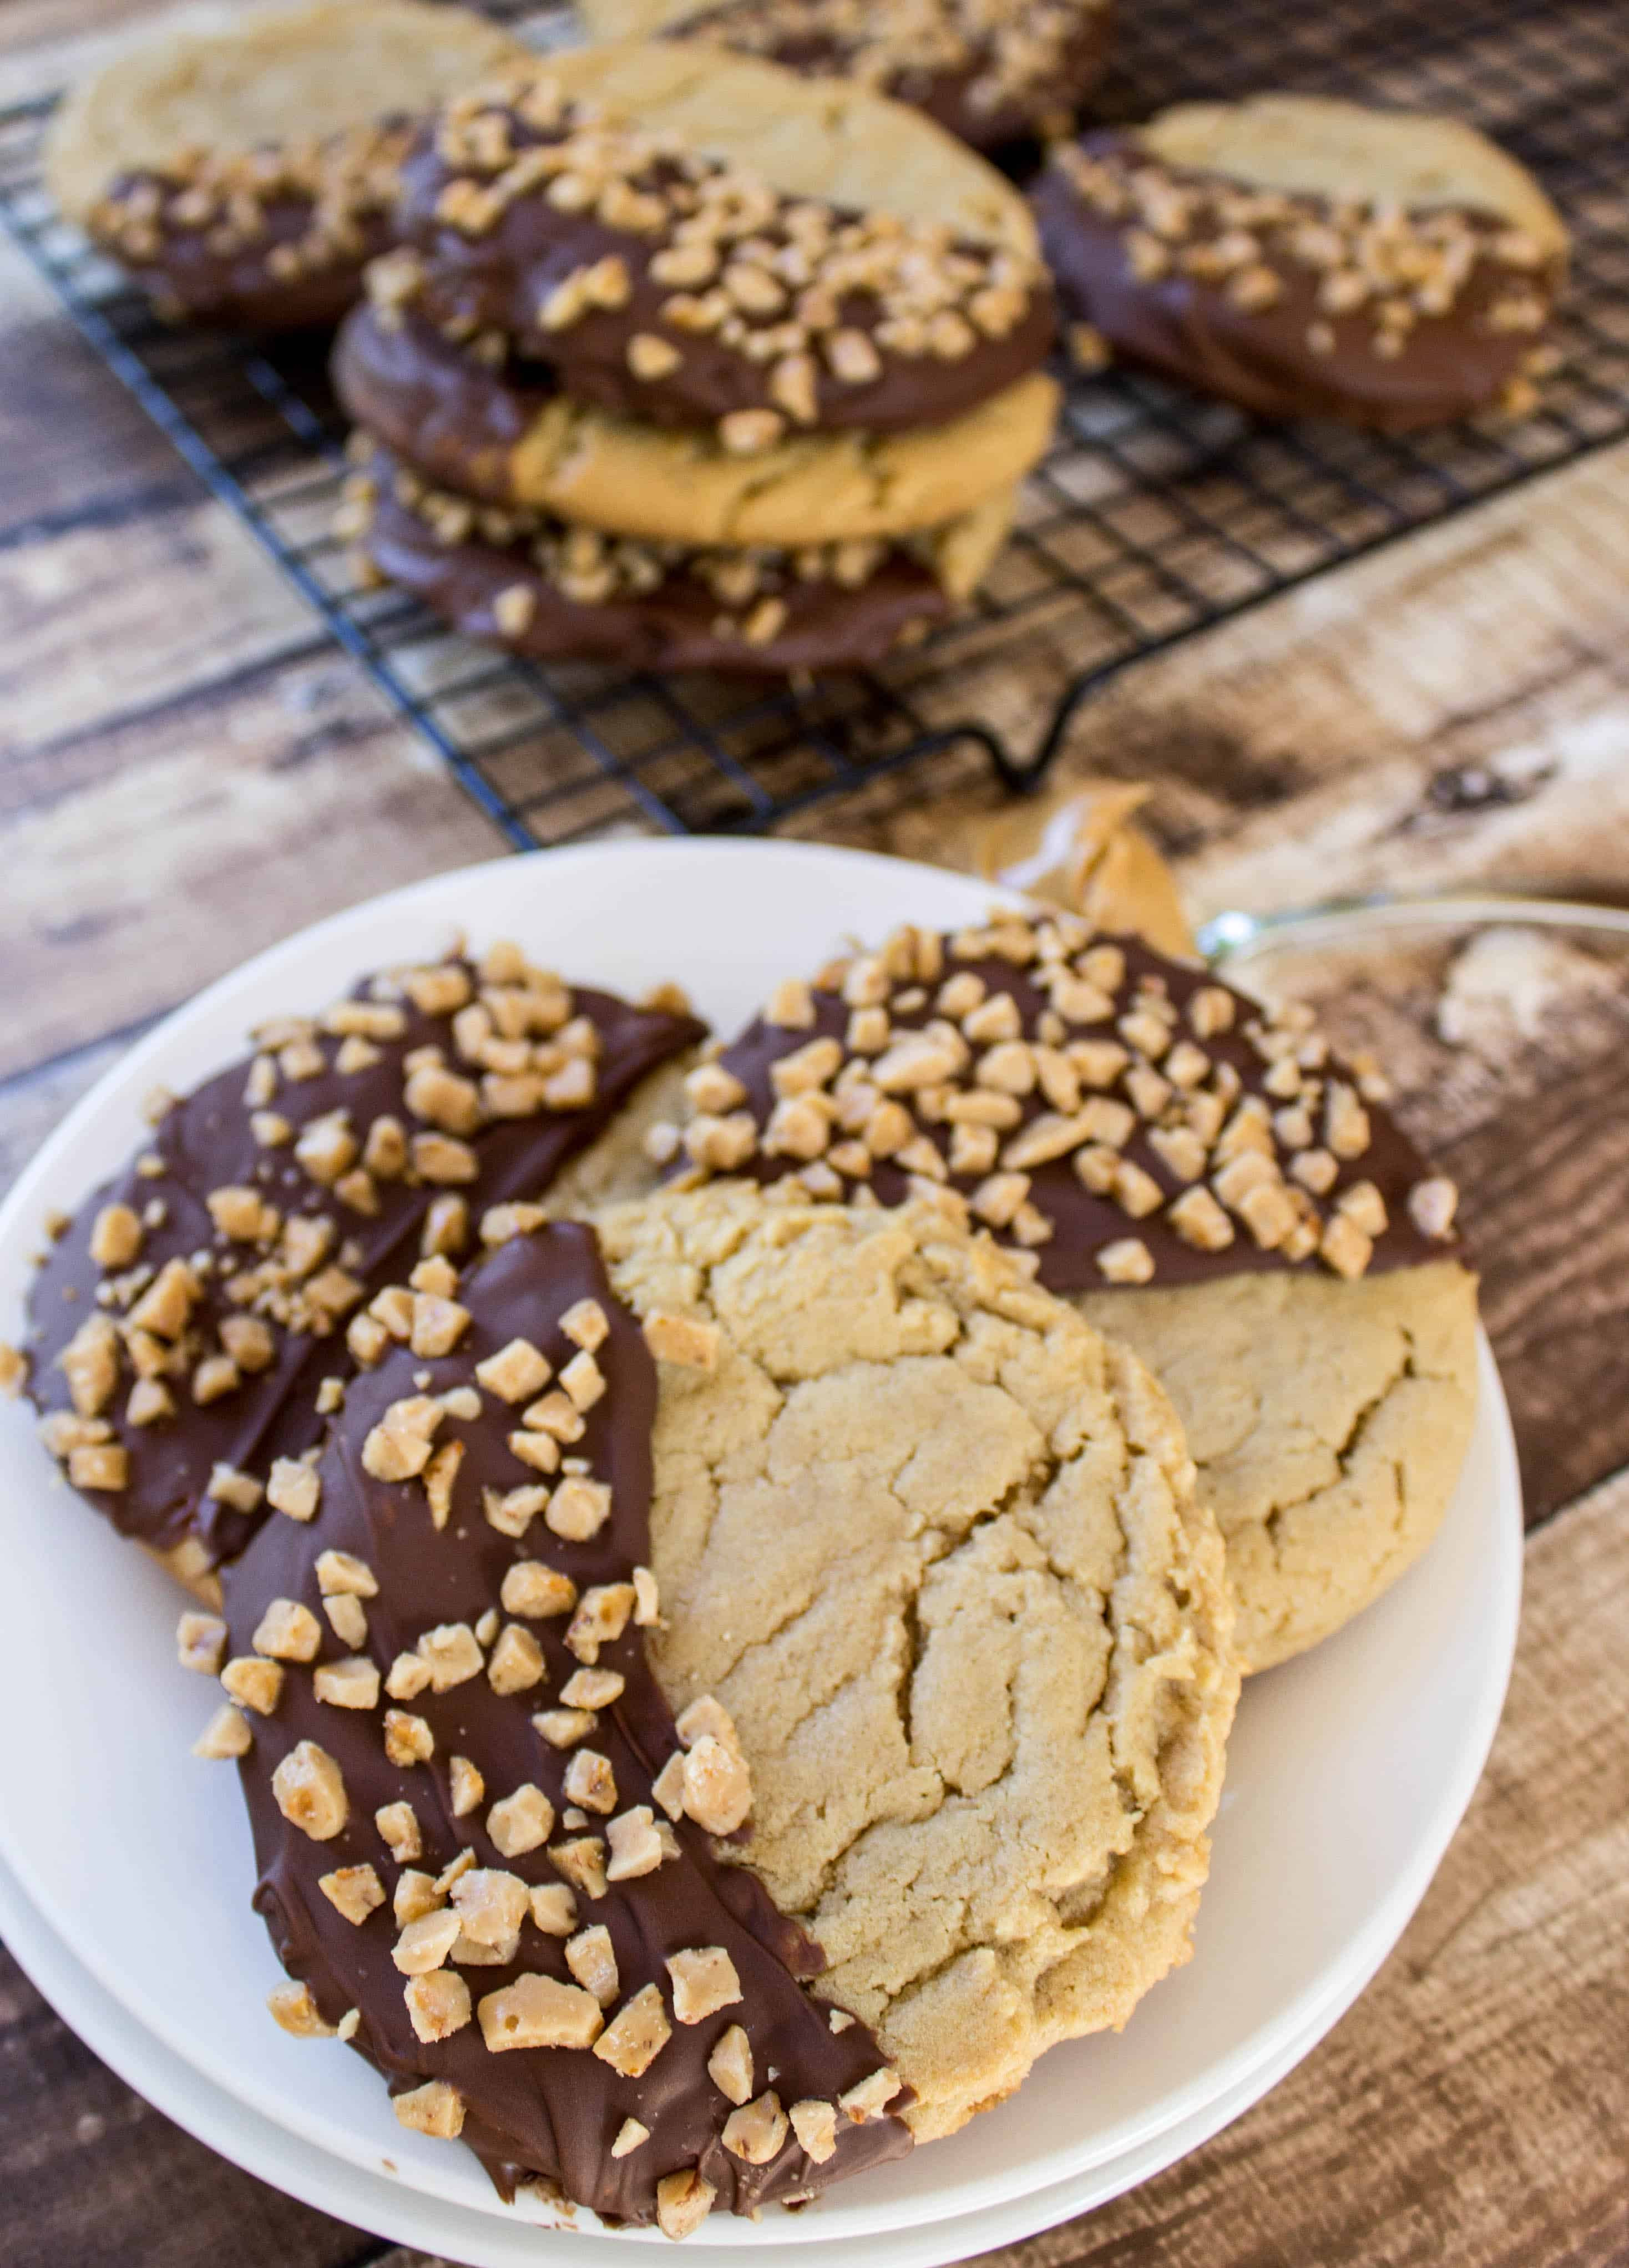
x=1234, y=936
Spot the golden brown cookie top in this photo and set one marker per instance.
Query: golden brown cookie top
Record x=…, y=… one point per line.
x=191, y=96
x=1349, y=152
x=934, y=1545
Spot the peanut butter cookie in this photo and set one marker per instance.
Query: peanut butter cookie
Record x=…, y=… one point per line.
x=934, y=1545
x=246, y=171
x=1305, y=257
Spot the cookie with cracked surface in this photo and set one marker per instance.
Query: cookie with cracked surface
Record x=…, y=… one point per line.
x=541, y=587
x=1171, y=1152
x=1305, y=257
x=987, y=75
x=507, y=435
x=245, y=172
x=1329, y=1422
x=934, y=1545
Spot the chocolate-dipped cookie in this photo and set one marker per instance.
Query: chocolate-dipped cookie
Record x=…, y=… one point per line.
x=1200, y=1171
x=246, y=172
x=544, y=588
x=1304, y=257
x=581, y=1935
x=185, y=1325
x=664, y=279
x=485, y=1848
x=507, y=435
x=986, y=74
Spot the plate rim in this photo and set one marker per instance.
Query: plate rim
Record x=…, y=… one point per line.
x=427, y=898
x=213, y=2119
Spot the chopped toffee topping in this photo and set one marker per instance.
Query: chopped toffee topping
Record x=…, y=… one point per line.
x=280, y=232
x=546, y=587
x=1121, y=1116
x=987, y=70
x=667, y=284
x=193, y=1321
x=513, y=1884
x=1361, y=295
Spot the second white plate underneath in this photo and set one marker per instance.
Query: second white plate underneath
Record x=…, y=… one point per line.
x=384, y=2207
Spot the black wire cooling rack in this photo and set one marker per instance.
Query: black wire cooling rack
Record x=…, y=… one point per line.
x=1156, y=514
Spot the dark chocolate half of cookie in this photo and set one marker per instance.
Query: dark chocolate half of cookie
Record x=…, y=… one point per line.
x=455, y=418
x=271, y=240
x=1122, y=1115
x=479, y=1831
x=534, y=584
x=182, y=1326
x=670, y=287
x=1291, y=305
x=988, y=75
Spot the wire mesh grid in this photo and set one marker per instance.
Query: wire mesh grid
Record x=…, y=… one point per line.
x=1155, y=514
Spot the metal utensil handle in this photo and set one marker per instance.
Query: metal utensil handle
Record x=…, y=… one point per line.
x=1233, y=935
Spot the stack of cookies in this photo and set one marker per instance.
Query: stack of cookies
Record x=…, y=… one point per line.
x=685, y=360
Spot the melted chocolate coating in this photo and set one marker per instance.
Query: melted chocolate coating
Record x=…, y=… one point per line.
x=188, y=279
x=549, y=2112
x=1452, y=365
x=205, y=1143
x=1084, y=1222
x=945, y=95
x=680, y=624
x=498, y=279
x=448, y=415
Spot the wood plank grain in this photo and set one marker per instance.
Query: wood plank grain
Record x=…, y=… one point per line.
x=99, y=622
x=55, y=394
x=217, y=827
x=93, y=2177
x=1455, y=706
x=1544, y=1184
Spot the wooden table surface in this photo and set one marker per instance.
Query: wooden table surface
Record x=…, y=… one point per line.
x=188, y=770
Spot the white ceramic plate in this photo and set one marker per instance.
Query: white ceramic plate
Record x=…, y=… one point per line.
x=1350, y=1768
x=388, y=2209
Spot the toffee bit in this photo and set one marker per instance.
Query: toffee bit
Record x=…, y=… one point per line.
x=683, y=2201
x=435, y=2108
